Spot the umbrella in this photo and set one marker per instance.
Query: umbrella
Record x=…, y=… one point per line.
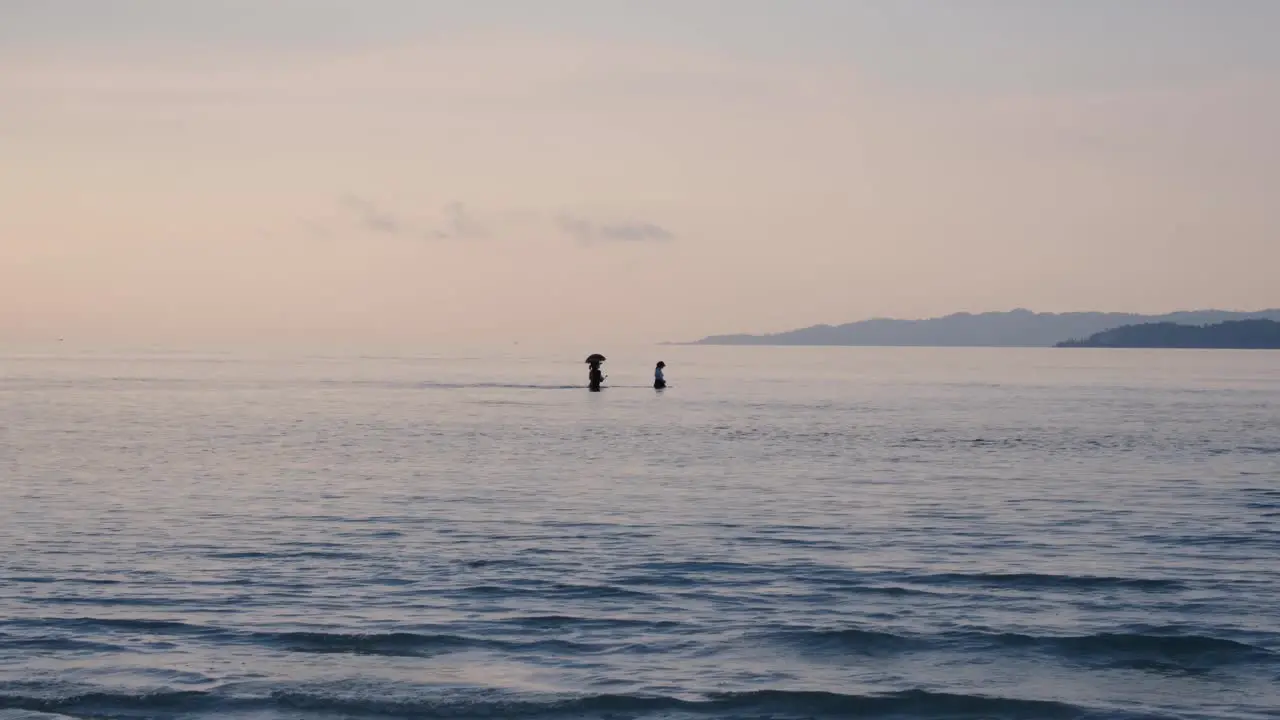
x=595, y=358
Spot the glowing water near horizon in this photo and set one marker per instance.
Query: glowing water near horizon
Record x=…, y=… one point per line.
x=784, y=532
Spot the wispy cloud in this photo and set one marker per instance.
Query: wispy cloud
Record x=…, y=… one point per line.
x=457, y=221
x=371, y=217
x=590, y=232
x=453, y=221
x=460, y=222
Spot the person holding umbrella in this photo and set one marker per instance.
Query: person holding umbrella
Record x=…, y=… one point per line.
x=595, y=377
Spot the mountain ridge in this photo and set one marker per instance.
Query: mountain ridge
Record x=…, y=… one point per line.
x=1013, y=328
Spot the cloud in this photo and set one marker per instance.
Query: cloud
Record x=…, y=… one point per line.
x=453, y=221
x=590, y=232
x=457, y=221
x=371, y=217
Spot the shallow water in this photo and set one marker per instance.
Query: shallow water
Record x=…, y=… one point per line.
x=782, y=533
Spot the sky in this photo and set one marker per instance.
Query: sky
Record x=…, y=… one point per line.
x=590, y=171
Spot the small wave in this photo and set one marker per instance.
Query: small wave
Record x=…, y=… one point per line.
x=1034, y=581
x=573, y=621
x=168, y=627
x=97, y=601
x=853, y=588
x=783, y=703
x=396, y=643
x=47, y=580
x=707, y=567
x=1143, y=650
x=845, y=641
x=408, y=644
x=389, y=644
x=792, y=542
x=1133, y=650
x=486, y=562
x=55, y=644
x=103, y=702
x=28, y=715
x=307, y=554
x=911, y=703
x=1202, y=540
x=557, y=590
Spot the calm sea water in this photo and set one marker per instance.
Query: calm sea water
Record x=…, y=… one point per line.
x=782, y=533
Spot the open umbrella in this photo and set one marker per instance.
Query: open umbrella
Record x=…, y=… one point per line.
x=595, y=358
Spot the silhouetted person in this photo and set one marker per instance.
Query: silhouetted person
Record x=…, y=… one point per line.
x=659, y=381
x=594, y=376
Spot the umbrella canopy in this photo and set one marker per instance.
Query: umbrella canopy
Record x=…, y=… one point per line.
x=595, y=358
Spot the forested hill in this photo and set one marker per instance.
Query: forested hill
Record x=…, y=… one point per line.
x=1239, y=334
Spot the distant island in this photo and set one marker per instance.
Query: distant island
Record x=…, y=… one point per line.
x=1016, y=328
x=1231, y=335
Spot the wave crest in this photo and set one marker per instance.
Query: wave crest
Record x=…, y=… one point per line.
x=911, y=703
x=1041, y=581
x=1143, y=650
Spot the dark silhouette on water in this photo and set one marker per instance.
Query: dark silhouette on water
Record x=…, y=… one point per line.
x=659, y=382
x=1234, y=335
x=594, y=376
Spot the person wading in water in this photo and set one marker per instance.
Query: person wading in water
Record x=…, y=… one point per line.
x=659, y=381
x=594, y=376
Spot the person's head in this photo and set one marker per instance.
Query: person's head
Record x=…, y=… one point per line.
x=661, y=364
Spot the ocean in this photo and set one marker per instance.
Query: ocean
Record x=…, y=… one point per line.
x=782, y=533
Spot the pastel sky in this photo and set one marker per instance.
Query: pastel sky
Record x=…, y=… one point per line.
x=597, y=170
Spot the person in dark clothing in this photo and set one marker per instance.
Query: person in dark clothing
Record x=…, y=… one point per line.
x=659, y=381
x=595, y=377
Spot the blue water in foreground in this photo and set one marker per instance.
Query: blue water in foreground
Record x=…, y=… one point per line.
x=783, y=533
